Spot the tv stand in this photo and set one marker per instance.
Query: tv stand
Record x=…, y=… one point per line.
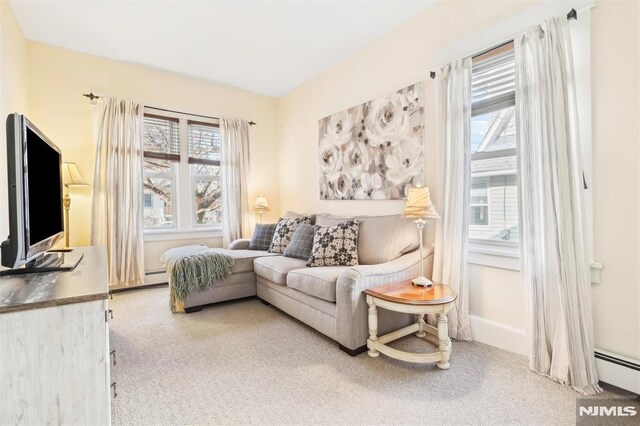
x=54, y=345
x=51, y=261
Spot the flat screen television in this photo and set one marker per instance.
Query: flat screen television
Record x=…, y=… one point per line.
x=36, y=222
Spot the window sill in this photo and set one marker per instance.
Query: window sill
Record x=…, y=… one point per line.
x=495, y=255
x=194, y=234
x=508, y=257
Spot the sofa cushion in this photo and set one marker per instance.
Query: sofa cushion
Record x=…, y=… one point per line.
x=243, y=259
x=284, y=231
x=262, y=236
x=326, y=219
x=294, y=215
x=301, y=242
x=276, y=268
x=335, y=245
x=317, y=282
x=384, y=238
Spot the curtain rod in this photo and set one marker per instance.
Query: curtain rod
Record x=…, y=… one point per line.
x=572, y=15
x=91, y=97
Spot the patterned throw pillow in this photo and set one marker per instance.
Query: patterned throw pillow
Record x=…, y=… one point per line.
x=284, y=231
x=262, y=236
x=301, y=242
x=335, y=245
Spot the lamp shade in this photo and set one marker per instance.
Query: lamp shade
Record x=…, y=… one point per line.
x=71, y=176
x=261, y=204
x=419, y=205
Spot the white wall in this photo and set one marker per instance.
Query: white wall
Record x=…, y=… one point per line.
x=58, y=78
x=13, y=94
x=405, y=56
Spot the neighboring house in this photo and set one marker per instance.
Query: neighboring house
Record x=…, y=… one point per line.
x=157, y=213
x=494, y=191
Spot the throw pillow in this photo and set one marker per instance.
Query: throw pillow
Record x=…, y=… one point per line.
x=262, y=236
x=301, y=242
x=284, y=231
x=335, y=245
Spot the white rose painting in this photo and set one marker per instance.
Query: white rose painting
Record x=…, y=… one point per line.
x=374, y=151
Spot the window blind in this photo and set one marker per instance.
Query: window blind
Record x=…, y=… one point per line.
x=204, y=143
x=161, y=138
x=493, y=82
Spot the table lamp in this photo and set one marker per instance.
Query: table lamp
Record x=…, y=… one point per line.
x=70, y=177
x=261, y=205
x=419, y=207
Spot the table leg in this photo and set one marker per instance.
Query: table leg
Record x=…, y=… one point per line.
x=373, y=328
x=444, y=341
x=421, y=325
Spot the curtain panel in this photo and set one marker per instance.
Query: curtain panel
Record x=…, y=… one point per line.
x=555, y=266
x=453, y=163
x=116, y=214
x=236, y=178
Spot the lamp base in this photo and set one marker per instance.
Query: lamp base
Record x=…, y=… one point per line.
x=422, y=281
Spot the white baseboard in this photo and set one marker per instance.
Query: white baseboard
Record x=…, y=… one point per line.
x=499, y=335
x=618, y=375
x=514, y=340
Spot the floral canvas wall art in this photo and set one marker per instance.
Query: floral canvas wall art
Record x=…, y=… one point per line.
x=374, y=151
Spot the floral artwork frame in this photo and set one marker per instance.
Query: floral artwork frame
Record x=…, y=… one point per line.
x=374, y=151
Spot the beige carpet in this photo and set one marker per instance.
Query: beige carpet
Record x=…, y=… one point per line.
x=246, y=363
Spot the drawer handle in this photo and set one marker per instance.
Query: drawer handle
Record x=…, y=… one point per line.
x=113, y=355
x=115, y=391
x=108, y=313
x=111, y=313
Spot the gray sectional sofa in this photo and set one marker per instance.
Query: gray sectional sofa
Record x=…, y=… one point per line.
x=328, y=299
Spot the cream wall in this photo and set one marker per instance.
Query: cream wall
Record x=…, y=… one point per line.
x=405, y=56
x=13, y=94
x=58, y=78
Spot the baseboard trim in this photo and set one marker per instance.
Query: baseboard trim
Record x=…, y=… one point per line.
x=500, y=335
x=617, y=370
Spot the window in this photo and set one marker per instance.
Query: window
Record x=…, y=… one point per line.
x=204, y=160
x=161, y=151
x=182, y=190
x=494, y=192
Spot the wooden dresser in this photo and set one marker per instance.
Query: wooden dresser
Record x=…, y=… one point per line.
x=54, y=345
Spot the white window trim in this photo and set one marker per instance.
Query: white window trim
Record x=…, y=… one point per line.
x=174, y=234
x=497, y=254
x=183, y=213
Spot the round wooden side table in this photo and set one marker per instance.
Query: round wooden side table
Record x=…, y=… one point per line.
x=407, y=298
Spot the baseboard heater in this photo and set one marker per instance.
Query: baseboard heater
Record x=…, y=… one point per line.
x=155, y=277
x=618, y=370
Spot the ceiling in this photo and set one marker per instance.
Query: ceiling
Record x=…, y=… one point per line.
x=267, y=47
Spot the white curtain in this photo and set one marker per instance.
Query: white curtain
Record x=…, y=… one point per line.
x=555, y=265
x=453, y=159
x=236, y=178
x=116, y=215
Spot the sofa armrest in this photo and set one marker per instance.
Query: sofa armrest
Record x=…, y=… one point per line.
x=351, y=305
x=240, y=244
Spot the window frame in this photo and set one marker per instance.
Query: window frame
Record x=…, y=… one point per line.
x=486, y=180
x=173, y=176
x=184, y=210
x=510, y=249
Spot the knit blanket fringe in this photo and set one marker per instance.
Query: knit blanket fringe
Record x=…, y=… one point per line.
x=193, y=268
